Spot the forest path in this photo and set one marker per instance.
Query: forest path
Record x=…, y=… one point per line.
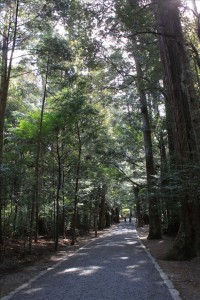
x=114, y=266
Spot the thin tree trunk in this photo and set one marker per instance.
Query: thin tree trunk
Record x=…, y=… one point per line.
x=140, y=222
x=63, y=204
x=154, y=204
x=58, y=196
x=16, y=186
x=35, y=204
x=35, y=199
x=6, y=67
x=38, y=152
x=74, y=221
x=102, y=208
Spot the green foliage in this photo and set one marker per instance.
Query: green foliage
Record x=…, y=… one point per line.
x=91, y=85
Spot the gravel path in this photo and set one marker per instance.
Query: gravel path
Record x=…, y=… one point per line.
x=112, y=267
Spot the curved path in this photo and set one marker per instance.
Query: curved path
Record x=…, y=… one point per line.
x=112, y=267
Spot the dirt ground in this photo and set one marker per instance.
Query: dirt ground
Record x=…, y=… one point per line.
x=14, y=272
x=185, y=275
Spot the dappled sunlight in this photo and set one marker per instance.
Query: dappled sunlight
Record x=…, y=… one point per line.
x=131, y=243
x=123, y=230
x=139, y=247
x=109, y=244
x=160, y=242
x=132, y=267
x=120, y=257
x=70, y=270
x=117, y=261
x=81, y=271
x=113, y=244
x=89, y=271
x=33, y=290
x=130, y=273
x=130, y=276
x=83, y=253
x=106, y=261
x=142, y=262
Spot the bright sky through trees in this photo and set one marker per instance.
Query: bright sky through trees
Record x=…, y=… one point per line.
x=189, y=3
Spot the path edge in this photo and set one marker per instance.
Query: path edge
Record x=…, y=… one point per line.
x=24, y=285
x=173, y=291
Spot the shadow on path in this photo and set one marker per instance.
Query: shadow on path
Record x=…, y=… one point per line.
x=114, y=266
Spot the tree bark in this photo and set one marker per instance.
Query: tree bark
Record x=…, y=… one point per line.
x=35, y=193
x=74, y=221
x=185, y=118
x=58, y=196
x=38, y=152
x=140, y=222
x=63, y=205
x=9, y=40
x=102, y=208
x=154, y=205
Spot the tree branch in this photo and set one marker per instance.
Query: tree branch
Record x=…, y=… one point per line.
x=127, y=177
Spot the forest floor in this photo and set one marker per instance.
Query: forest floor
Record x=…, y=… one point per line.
x=17, y=270
x=185, y=275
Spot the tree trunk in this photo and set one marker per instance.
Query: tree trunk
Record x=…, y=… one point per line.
x=102, y=208
x=63, y=205
x=107, y=219
x=16, y=194
x=74, y=221
x=154, y=204
x=185, y=117
x=86, y=216
x=38, y=150
x=58, y=196
x=8, y=48
x=140, y=222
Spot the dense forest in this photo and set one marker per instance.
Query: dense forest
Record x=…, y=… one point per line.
x=99, y=115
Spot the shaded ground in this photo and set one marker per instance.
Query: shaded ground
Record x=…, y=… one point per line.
x=114, y=266
x=18, y=270
x=185, y=275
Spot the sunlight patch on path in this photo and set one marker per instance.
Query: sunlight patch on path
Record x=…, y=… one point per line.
x=81, y=271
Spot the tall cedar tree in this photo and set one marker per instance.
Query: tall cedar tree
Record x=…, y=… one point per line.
x=185, y=118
